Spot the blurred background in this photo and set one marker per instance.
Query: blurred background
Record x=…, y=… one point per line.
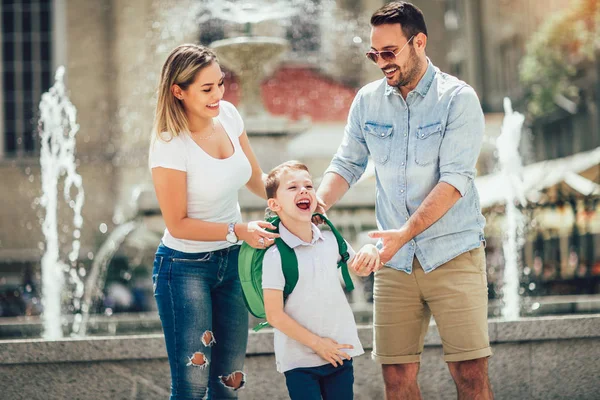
x=293, y=68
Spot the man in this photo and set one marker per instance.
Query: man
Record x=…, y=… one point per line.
x=423, y=129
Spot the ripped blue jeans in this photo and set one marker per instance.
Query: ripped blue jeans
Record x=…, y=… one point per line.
x=204, y=320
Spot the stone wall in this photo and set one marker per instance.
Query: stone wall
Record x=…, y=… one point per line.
x=536, y=358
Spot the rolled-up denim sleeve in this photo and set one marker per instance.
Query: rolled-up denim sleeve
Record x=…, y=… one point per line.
x=462, y=140
x=352, y=156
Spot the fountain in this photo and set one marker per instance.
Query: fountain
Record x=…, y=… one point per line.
x=511, y=168
x=135, y=366
x=57, y=130
x=253, y=58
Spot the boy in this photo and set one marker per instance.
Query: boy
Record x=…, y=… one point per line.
x=315, y=331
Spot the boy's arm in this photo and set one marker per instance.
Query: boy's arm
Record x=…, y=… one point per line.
x=326, y=348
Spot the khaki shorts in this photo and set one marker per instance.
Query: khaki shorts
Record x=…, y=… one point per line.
x=455, y=293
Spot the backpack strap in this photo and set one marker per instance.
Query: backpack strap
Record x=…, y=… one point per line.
x=344, y=255
x=289, y=262
x=289, y=266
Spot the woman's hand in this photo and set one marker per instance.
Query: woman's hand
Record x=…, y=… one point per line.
x=330, y=350
x=255, y=235
x=366, y=260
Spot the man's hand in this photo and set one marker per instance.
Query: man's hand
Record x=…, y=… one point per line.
x=321, y=207
x=392, y=241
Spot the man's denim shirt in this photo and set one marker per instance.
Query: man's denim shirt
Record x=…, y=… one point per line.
x=434, y=136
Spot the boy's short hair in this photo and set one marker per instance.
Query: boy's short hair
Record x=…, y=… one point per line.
x=272, y=183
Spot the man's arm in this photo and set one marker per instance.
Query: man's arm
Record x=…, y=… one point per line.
x=348, y=163
x=332, y=188
x=436, y=204
x=458, y=155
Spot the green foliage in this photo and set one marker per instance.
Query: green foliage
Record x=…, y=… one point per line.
x=553, y=53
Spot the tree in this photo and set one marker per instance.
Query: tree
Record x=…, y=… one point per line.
x=554, y=54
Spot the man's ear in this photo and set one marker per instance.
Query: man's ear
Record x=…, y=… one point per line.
x=273, y=205
x=177, y=92
x=420, y=41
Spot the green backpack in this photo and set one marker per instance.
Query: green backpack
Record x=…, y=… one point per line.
x=250, y=270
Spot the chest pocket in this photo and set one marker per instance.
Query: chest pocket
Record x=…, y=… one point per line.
x=379, y=141
x=429, y=139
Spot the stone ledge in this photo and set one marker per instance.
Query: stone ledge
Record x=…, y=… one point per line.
x=113, y=348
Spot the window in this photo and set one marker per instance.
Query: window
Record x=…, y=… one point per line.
x=26, y=54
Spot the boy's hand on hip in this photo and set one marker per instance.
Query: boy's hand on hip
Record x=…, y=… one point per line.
x=330, y=350
x=392, y=241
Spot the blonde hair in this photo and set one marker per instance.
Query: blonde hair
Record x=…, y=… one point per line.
x=180, y=68
x=273, y=179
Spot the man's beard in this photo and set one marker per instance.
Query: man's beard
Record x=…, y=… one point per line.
x=413, y=67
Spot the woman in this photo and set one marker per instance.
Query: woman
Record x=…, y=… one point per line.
x=200, y=157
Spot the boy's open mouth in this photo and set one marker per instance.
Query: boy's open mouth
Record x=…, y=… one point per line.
x=303, y=204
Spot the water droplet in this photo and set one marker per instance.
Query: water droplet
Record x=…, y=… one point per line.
x=108, y=311
x=535, y=306
x=357, y=39
x=103, y=228
x=82, y=272
x=77, y=234
x=532, y=286
x=526, y=271
x=90, y=255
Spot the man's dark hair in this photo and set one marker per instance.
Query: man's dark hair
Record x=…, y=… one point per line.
x=406, y=14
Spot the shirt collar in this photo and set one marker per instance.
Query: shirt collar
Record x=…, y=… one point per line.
x=423, y=85
x=294, y=241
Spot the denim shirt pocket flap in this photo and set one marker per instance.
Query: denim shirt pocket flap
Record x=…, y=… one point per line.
x=380, y=131
x=429, y=139
x=426, y=131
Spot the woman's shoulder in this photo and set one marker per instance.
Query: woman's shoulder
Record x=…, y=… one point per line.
x=228, y=107
x=167, y=144
x=166, y=139
x=230, y=115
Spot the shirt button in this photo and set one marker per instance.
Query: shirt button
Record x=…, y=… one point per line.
x=406, y=218
x=402, y=191
x=383, y=134
x=405, y=135
x=402, y=163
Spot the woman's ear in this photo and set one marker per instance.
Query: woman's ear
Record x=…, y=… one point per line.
x=273, y=204
x=177, y=92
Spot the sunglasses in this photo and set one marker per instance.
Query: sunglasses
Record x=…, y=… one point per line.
x=386, y=55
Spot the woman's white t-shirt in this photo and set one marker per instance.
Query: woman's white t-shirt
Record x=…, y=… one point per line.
x=212, y=184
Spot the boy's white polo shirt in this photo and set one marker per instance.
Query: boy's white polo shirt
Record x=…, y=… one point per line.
x=318, y=301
